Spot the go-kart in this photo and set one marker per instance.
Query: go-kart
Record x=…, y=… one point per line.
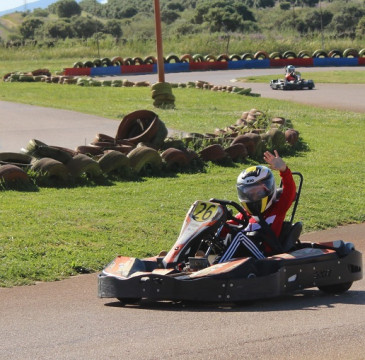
x=298, y=84
x=191, y=270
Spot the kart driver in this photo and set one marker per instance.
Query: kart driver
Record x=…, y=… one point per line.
x=290, y=74
x=257, y=193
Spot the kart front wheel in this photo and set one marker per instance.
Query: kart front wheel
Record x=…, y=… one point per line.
x=336, y=289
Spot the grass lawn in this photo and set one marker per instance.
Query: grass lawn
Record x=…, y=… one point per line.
x=52, y=233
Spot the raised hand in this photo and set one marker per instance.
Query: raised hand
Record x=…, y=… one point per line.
x=274, y=160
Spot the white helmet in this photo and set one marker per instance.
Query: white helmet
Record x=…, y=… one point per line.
x=256, y=189
x=289, y=69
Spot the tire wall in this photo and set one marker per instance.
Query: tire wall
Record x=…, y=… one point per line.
x=217, y=65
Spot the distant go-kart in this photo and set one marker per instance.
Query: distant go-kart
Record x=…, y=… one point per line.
x=298, y=84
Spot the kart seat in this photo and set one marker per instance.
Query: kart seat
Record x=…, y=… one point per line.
x=290, y=234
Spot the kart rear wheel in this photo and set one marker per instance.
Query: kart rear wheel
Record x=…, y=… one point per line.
x=129, y=301
x=336, y=288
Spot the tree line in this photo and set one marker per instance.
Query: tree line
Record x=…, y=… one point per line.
x=88, y=17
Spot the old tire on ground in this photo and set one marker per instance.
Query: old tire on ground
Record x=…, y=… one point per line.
x=237, y=152
x=51, y=168
x=89, y=150
x=138, y=126
x=213, y=153
x=19, y=159
x=40, y=150
x=12, y=174
x=249, y=140
x=145, y=160
x=175, y=159
x=158, y=140
x=291, y=136
x=83, y=164
x=113, y=160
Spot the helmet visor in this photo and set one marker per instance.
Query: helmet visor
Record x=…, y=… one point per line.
x=257, y=191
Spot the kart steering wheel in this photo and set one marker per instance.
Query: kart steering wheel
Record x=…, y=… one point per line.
x=238, y=207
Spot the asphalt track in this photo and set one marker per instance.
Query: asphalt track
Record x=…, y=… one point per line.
x=66, y=320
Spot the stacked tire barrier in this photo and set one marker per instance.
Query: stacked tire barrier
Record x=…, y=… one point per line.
x=141, y=147
x=199, y=62
x=161, y=92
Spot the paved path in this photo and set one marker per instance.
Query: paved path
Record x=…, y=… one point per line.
x=66, y=321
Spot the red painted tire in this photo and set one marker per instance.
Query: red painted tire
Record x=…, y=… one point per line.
x=261, y=55
x=12, y=174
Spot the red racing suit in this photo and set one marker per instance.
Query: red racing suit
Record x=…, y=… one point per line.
x=290, y=77
x=275, y=215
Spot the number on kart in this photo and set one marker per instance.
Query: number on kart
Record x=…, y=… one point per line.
x=204, y=211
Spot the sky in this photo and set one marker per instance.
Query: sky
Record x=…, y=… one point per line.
x=11, y=4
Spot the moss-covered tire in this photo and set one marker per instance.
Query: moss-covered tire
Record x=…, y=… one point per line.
x=275, y=55
x=145, y=160
x=210, y=57
x=82, y=164
x=198, y=58
x=223, y=57
x=319, y=54
x=350, y=53
x=51, y=168
x=113, y=161
x=304, y=54
x=247, y=56
x=89, y=150
x=276, y=138
x=18, y=159
x=234, y=57
x=289, y=55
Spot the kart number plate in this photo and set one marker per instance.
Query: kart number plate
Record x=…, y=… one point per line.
x=204, y=211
